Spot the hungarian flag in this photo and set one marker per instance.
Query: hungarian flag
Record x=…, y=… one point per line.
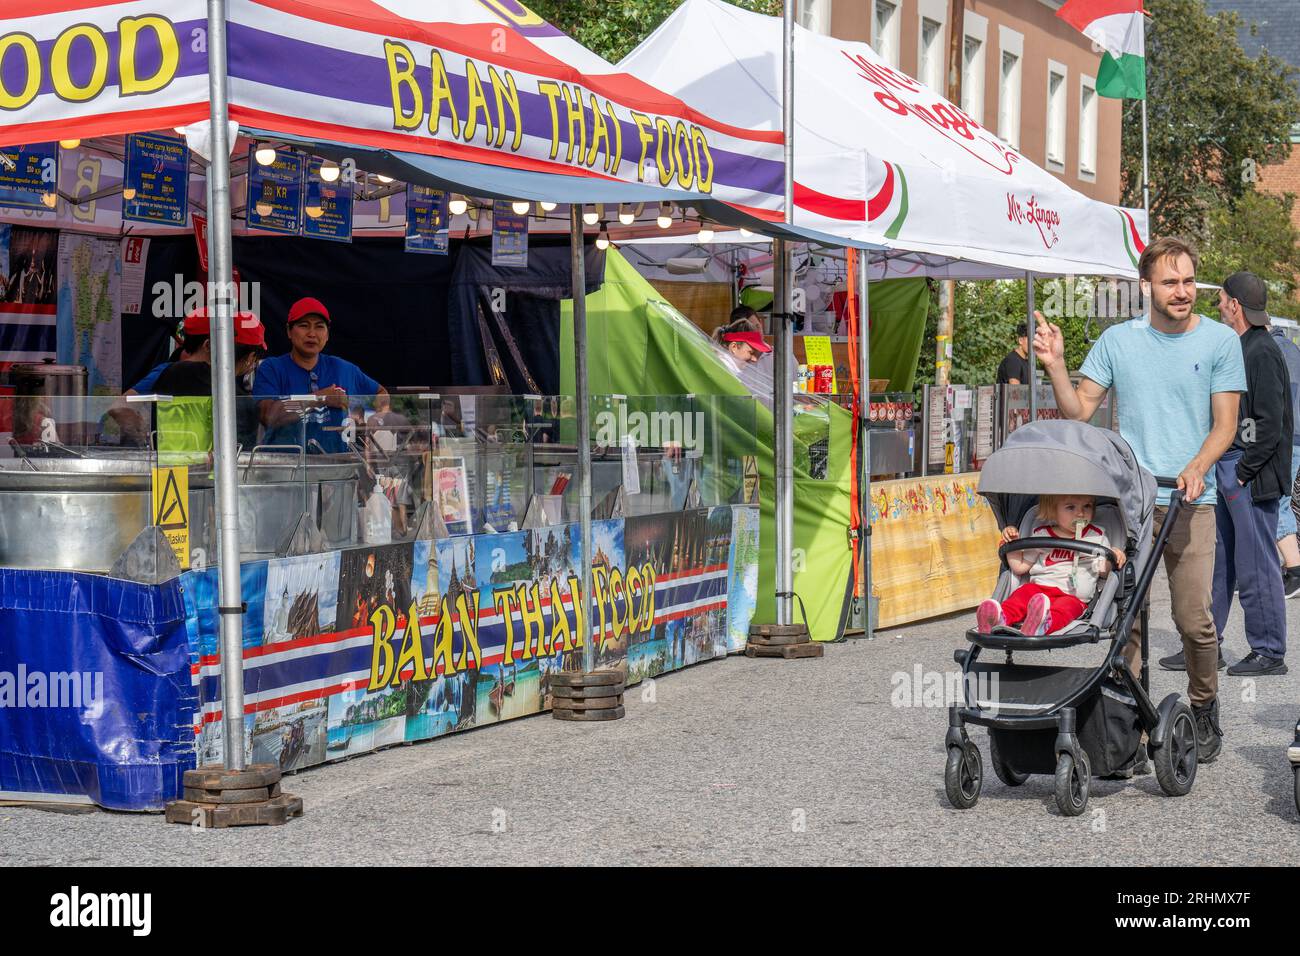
x=1117, y=27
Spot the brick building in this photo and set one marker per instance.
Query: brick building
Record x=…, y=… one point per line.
x=1026, y=75
x=1276, y=28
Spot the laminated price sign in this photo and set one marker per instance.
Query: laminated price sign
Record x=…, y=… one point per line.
x=427, y=221
x=275, y=199
x=157, y=183
x=28, y=176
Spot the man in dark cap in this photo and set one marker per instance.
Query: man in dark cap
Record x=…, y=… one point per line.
x=1254, y=476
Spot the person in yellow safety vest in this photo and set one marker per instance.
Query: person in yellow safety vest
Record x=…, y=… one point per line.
x=185, y=424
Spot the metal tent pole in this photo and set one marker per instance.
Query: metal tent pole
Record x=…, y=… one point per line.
x=1031, y=329
x=582, y=398
x=783, y=332
x=220, y=308
x=864, y=438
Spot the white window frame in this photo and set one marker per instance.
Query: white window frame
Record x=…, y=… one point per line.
x=976, y=28
x=935, y=11
x=1009, y=92
x=1088, y=126
x=1057, y=164
x=889, y=45
x=815, y=15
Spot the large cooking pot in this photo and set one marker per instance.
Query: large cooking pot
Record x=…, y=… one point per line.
x=275, y=489
x=48, y=390
x=74, y=514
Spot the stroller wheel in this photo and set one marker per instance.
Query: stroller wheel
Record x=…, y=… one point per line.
x=1073, y=782
x=1001, y=769
x=1176, y=760
x=963, y=776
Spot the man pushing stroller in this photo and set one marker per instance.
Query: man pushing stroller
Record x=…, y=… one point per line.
x=1178, y=378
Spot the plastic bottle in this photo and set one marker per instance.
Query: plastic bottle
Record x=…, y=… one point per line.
x=379, y=517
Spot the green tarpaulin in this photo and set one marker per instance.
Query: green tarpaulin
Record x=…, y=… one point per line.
x=639, y=345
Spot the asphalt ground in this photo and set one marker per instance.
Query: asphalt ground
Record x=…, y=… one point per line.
x=740, y=762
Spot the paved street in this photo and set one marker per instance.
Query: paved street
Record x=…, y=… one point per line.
x=722, y=768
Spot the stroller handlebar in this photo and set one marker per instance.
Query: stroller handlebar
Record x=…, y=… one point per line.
x=1054, y=544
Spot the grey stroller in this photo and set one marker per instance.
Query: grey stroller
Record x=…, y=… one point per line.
x=1072, y=722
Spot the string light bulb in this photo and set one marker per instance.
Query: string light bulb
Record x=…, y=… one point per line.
x=549, y=206
x=329, y=172
x=458, y=206
x=386, y=180
x=626, y=216
x=602, y=241
x=521, y=207
x=69, y=143
x=665, y=219
x=706, y=233
x=591, y=217
x=745, y=233
x=265, y=155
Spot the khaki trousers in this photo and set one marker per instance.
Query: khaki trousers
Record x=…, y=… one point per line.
x=1189, y=562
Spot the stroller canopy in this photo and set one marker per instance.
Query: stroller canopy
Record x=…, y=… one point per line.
x=1068, y=457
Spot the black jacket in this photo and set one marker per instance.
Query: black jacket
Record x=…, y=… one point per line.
x=1265, y=425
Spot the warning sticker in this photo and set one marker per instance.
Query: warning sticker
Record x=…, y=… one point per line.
x=171, y=511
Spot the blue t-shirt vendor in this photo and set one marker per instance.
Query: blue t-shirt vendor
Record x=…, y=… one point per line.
x=306, y=370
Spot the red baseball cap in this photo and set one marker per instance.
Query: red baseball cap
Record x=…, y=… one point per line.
x=196, y=323
x=753, y=339
x=305, y=307
x=249, y=330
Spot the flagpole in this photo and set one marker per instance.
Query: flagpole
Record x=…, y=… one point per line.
x=1146, y=173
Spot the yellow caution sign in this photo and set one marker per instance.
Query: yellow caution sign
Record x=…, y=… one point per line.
x=749, y=469
x=171, y=509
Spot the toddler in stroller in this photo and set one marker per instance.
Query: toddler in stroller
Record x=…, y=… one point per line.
x=1088, y=714
x=1061, y=582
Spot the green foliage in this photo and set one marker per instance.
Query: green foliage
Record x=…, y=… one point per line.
x=1255, y=233
x=613, y=28
x=986, y=317
x=1215, y=116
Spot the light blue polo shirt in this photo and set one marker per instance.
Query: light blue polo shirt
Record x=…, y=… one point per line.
x=1163, y=384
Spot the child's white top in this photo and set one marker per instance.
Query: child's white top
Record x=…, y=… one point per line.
x=1056, y=568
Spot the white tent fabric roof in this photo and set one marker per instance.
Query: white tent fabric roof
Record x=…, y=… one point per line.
x=881, y=158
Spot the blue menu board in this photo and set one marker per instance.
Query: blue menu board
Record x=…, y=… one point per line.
x=275, y=193
x=509, y=236
x=334, y=200
x=428, y=224
x=158, y=170
x=29, y=175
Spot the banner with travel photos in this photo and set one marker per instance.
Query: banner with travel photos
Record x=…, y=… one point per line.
x=351, y=651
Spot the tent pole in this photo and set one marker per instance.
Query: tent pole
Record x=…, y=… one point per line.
x=1031, y=329
x=582, y=398
x=783, y=332
x=864, y=438
x=220, y=308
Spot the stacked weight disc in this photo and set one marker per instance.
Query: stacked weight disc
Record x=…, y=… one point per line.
x=216, y=797
x=596, y=695
x=788, y=641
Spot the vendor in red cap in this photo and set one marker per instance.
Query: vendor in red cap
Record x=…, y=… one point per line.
x=194, y=338
x=742, y=343
x=194, y=376
x=306, y=370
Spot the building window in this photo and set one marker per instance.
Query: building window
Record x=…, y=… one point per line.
x=816, y=16
x=1088, y=127
x=972, y=79
x=1056, y=116
x=930, y=58
x=1009, y=100
x=884, y=31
